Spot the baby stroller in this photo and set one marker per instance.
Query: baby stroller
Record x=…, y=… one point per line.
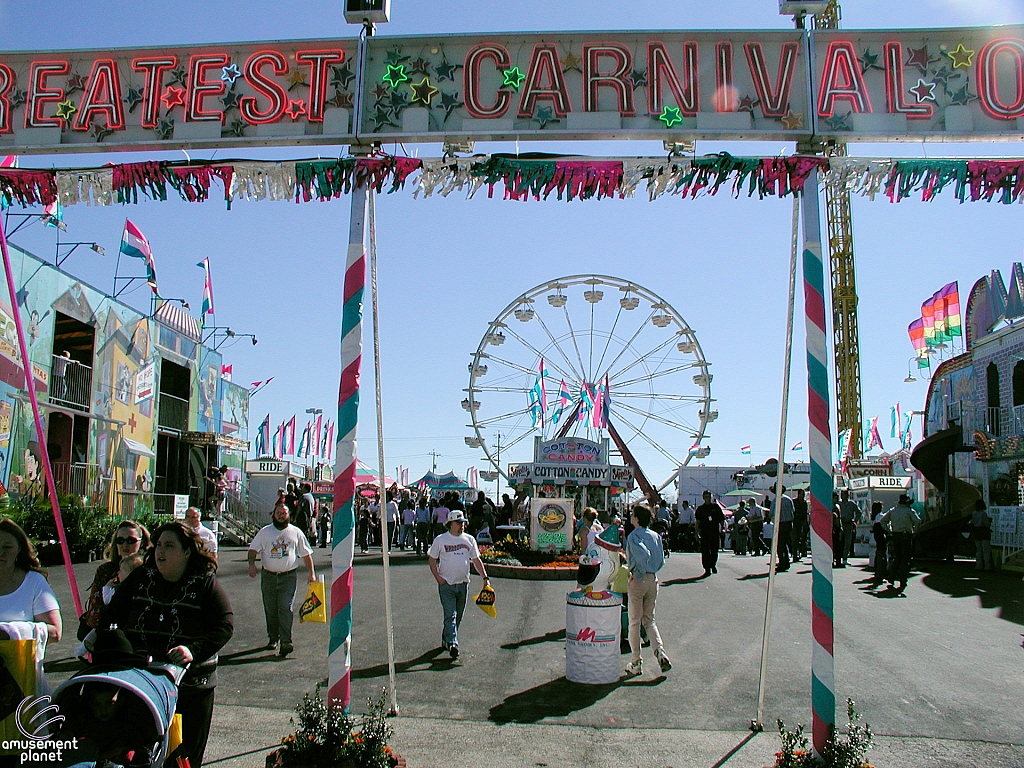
x=120, y=710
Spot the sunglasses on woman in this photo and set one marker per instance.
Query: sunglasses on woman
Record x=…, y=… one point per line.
x=121, y=540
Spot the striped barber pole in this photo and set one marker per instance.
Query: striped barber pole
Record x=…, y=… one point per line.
x=823, y=683
x=343, y=522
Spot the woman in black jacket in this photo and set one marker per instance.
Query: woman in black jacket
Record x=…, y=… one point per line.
x=173, y=609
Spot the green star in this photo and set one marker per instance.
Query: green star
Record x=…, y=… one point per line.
x=544, y=116
x=840, y=122
x=513, y=78
x=237, y=128
x=868, y=61
x=66, y=109
x=134, y=98
x=395, y=75
x=395, y=57
x=165, y=128
x=670, y=116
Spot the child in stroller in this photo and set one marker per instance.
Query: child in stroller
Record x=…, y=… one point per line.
x=119, y=709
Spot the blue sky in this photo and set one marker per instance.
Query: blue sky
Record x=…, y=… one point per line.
x=448, y=266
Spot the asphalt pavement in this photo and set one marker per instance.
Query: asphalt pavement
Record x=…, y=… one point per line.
x=936, y=672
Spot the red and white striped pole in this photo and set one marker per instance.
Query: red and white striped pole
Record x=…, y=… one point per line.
x=823, y=682
x=343, y=522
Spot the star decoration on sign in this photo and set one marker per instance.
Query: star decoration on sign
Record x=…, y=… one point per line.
x=868, y=61
x=173, y=96
x=962, y=97
x=639, y=77
x=395, y=75
x=295, y=108
x=382, y=117
x=380, y=92
x=571, y=61
x=423, y=91
x=17, y=98
x=943, y=75
x=398, y=100
x=923, y=91
x=295, y=79
x=919, y=58
x=961, y=57
x=100, y=132
x=66, y=109
x=840, y=122
x=747, y=104
x=230, y=100
x=165, y=128
x=178, y=76
x=230, y=73
x=340, y=100
x=419, y=66
x=513, y=78
x=394, y=57
x=342, y=76
x=544, y=116
x=793, y=120
x=237, y=128
x=446, y=71
x=670, y=116
x=449, y=103
x=133, y=99
x=75, y=83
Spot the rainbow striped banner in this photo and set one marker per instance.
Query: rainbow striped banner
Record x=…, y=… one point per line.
x=823, y=683
x=343, y=521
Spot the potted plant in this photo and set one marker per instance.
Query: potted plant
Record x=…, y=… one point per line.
x=326, y=737
x=841, y=751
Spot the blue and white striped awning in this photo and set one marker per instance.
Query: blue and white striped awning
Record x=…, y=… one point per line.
x=177, y=319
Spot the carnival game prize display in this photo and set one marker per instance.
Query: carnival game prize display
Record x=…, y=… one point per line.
x=593, y=627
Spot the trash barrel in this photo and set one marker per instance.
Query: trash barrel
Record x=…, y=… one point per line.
x=592, y=634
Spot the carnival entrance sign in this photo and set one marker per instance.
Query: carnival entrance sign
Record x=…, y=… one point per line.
x=805, y=86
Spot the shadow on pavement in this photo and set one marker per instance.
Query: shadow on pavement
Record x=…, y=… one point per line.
x=238, y=658
x=557, y=698
x=734, y=750
x=549, y=637
x=434, y=658
x=691, y=580
x=750, y=576
x=70, y=664
x=999, y=590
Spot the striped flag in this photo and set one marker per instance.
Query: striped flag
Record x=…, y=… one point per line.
x=275, y=445
x=207, y=291
x=263, y=437
x=316, y=435
x=917, y=338
x=694, y=449
x=135, y=245
x=304, y=443
x=874, y=438
x=798, y=446
x=745, y=450
x=226, y=370
x=563, y=398
x=291, y=437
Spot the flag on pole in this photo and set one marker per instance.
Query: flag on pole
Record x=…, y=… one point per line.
x=843, y=446
x=907, y=438
x=694, y=449
x=586, y=402
x=798, y=446
x=275, y=446
x=263, y=437
x=874, y=438
x=316, y=436
x=745, y=450
x=291, y=437
x=135, y=245
x=330, y=441
x=606, y=403
x=917, y=338
x=225, y=371
x=950, y=295
x=207, y=292
x=928, y=321
x=563, y=398
x=258, y=384
x=304, y=443
x=53, y=215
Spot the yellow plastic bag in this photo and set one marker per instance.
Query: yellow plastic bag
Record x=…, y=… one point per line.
x=620, y=580
x=314, y=607
x=17, y=681
x=486, y=601
x=174, y=734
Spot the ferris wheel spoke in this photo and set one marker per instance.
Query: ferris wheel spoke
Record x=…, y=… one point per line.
x=661, y=396
x=590, y=354
x=540, y=354
x=554, y=343
x=517, y=440
x=667, y=422
x=510, y=414
x=641, y=359
x=629, y=344
x=518, y=390
x=572, y=335
x=658, y=374
x=611, y=335
x=648, y=440
x=510, y=364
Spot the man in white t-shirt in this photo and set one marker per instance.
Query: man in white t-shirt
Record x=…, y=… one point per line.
x=449, y=557
x=280, y=547
x=193, y=519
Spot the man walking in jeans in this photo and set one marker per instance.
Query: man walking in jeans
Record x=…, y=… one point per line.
x=449, y=557
x=644, y=558
x=280, y=546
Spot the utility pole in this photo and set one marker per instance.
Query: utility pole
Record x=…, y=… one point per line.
x=434, y=455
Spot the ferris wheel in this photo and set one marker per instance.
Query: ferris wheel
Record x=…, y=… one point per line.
x=591, y=356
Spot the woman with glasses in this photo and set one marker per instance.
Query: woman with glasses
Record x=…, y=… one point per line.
x=128, y=539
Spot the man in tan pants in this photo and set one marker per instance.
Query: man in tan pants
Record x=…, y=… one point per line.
x=644, y=558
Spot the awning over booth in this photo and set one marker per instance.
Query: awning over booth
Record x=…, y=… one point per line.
x=447, y=482
x=134, y=446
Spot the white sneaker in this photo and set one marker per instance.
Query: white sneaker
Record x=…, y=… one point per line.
x=635, y=668
x=664, y=663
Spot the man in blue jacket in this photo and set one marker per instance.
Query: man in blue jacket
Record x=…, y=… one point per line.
x=644, y=558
